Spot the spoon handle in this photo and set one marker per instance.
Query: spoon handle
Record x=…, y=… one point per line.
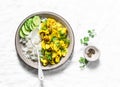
x=40, y=72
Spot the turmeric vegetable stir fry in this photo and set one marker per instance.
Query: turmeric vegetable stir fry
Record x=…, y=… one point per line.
x=54, y=41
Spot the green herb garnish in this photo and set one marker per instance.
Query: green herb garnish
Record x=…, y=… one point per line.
x=85, y=40
x=83, y=62
x=48, y=55
x=91, y=33
x=54, y=38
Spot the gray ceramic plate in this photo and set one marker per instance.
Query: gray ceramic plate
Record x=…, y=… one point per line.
x=70, y=35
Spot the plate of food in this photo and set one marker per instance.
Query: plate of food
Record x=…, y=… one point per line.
x=56, y=40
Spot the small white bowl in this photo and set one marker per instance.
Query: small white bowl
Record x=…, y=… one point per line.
x=95, y=56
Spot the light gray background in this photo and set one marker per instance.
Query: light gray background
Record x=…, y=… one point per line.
x=102, y=15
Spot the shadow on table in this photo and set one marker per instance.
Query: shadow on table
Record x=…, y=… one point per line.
x=27, y=68
x=93, y=65
x=34, y=71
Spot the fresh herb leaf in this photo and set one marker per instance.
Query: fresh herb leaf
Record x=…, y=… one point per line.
x=67, y=41
x=91, y=33
x=54, y=38
x=42, y=51
x=83, y=62
x=57, y=44
x=86, y=62
x=48, y=55
x=92, y=36
x=63, y=36
x=86, y=38
x=85, y=43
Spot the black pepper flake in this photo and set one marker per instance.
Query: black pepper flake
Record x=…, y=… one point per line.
x=90, y=52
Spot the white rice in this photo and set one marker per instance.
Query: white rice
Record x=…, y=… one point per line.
x=28, y=48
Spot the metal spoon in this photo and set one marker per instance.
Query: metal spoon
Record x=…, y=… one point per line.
x=35, y=40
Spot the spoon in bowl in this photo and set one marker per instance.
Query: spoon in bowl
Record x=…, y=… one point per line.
x=35, y=40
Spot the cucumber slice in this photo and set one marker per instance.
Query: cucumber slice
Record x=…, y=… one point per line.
x=36, y=20
x=33, y=26
x=25, y=31
x=22, y=35
x=29, y=23
x=26, y=27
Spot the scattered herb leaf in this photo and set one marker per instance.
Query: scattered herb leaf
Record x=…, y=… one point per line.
x=86, y=39
x=83, y=62
x=91, y=33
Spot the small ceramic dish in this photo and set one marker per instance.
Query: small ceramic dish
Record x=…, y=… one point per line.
x=91, y=53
